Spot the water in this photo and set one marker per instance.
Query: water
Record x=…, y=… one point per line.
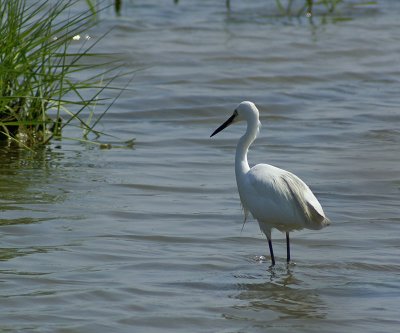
x=149, y=239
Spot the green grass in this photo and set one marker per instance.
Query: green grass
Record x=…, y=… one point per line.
x=39, y=91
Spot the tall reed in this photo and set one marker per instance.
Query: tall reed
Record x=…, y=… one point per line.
x=40, y=92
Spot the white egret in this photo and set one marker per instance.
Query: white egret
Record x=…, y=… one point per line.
x=275, y=197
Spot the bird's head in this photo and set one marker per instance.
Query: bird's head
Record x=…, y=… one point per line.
x=244, y=111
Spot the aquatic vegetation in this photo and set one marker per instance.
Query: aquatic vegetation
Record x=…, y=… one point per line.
x=307, y=6
x=47, y=84
x=285, y=7
x=116, y=3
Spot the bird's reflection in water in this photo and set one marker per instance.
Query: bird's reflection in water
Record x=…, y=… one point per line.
x=277, y=294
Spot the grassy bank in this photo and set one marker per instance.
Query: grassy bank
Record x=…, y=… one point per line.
x=39, y=90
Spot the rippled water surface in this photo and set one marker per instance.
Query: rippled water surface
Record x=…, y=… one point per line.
x=149, y=239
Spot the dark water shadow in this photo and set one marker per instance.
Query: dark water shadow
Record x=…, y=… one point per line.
x=31, y=184
x=26, y=178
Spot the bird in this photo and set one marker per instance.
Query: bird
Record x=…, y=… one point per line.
x=276, y=198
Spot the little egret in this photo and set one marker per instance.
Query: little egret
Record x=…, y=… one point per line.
x=275, y=197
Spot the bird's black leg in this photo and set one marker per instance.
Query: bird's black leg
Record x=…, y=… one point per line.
x=271, y=251
x=287, y=247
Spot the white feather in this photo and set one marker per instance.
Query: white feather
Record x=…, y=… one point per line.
x=275, y=197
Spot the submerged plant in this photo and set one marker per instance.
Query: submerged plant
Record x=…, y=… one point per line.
x=39, y=90
x=307, y=6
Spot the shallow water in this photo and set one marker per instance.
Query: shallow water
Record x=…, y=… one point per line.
x=149, y=239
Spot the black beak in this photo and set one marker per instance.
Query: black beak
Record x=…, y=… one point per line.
x=225, y=124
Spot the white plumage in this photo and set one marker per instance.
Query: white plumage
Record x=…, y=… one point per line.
x=275, y=197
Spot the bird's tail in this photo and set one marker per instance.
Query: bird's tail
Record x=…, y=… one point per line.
x=317, y=220
x=326, y=222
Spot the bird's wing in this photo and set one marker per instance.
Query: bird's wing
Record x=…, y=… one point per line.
x=288, y=189
x=304, y=198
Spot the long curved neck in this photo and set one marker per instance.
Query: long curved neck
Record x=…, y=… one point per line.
x=241, y=164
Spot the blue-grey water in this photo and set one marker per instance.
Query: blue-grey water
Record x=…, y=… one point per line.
x=149, y=239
